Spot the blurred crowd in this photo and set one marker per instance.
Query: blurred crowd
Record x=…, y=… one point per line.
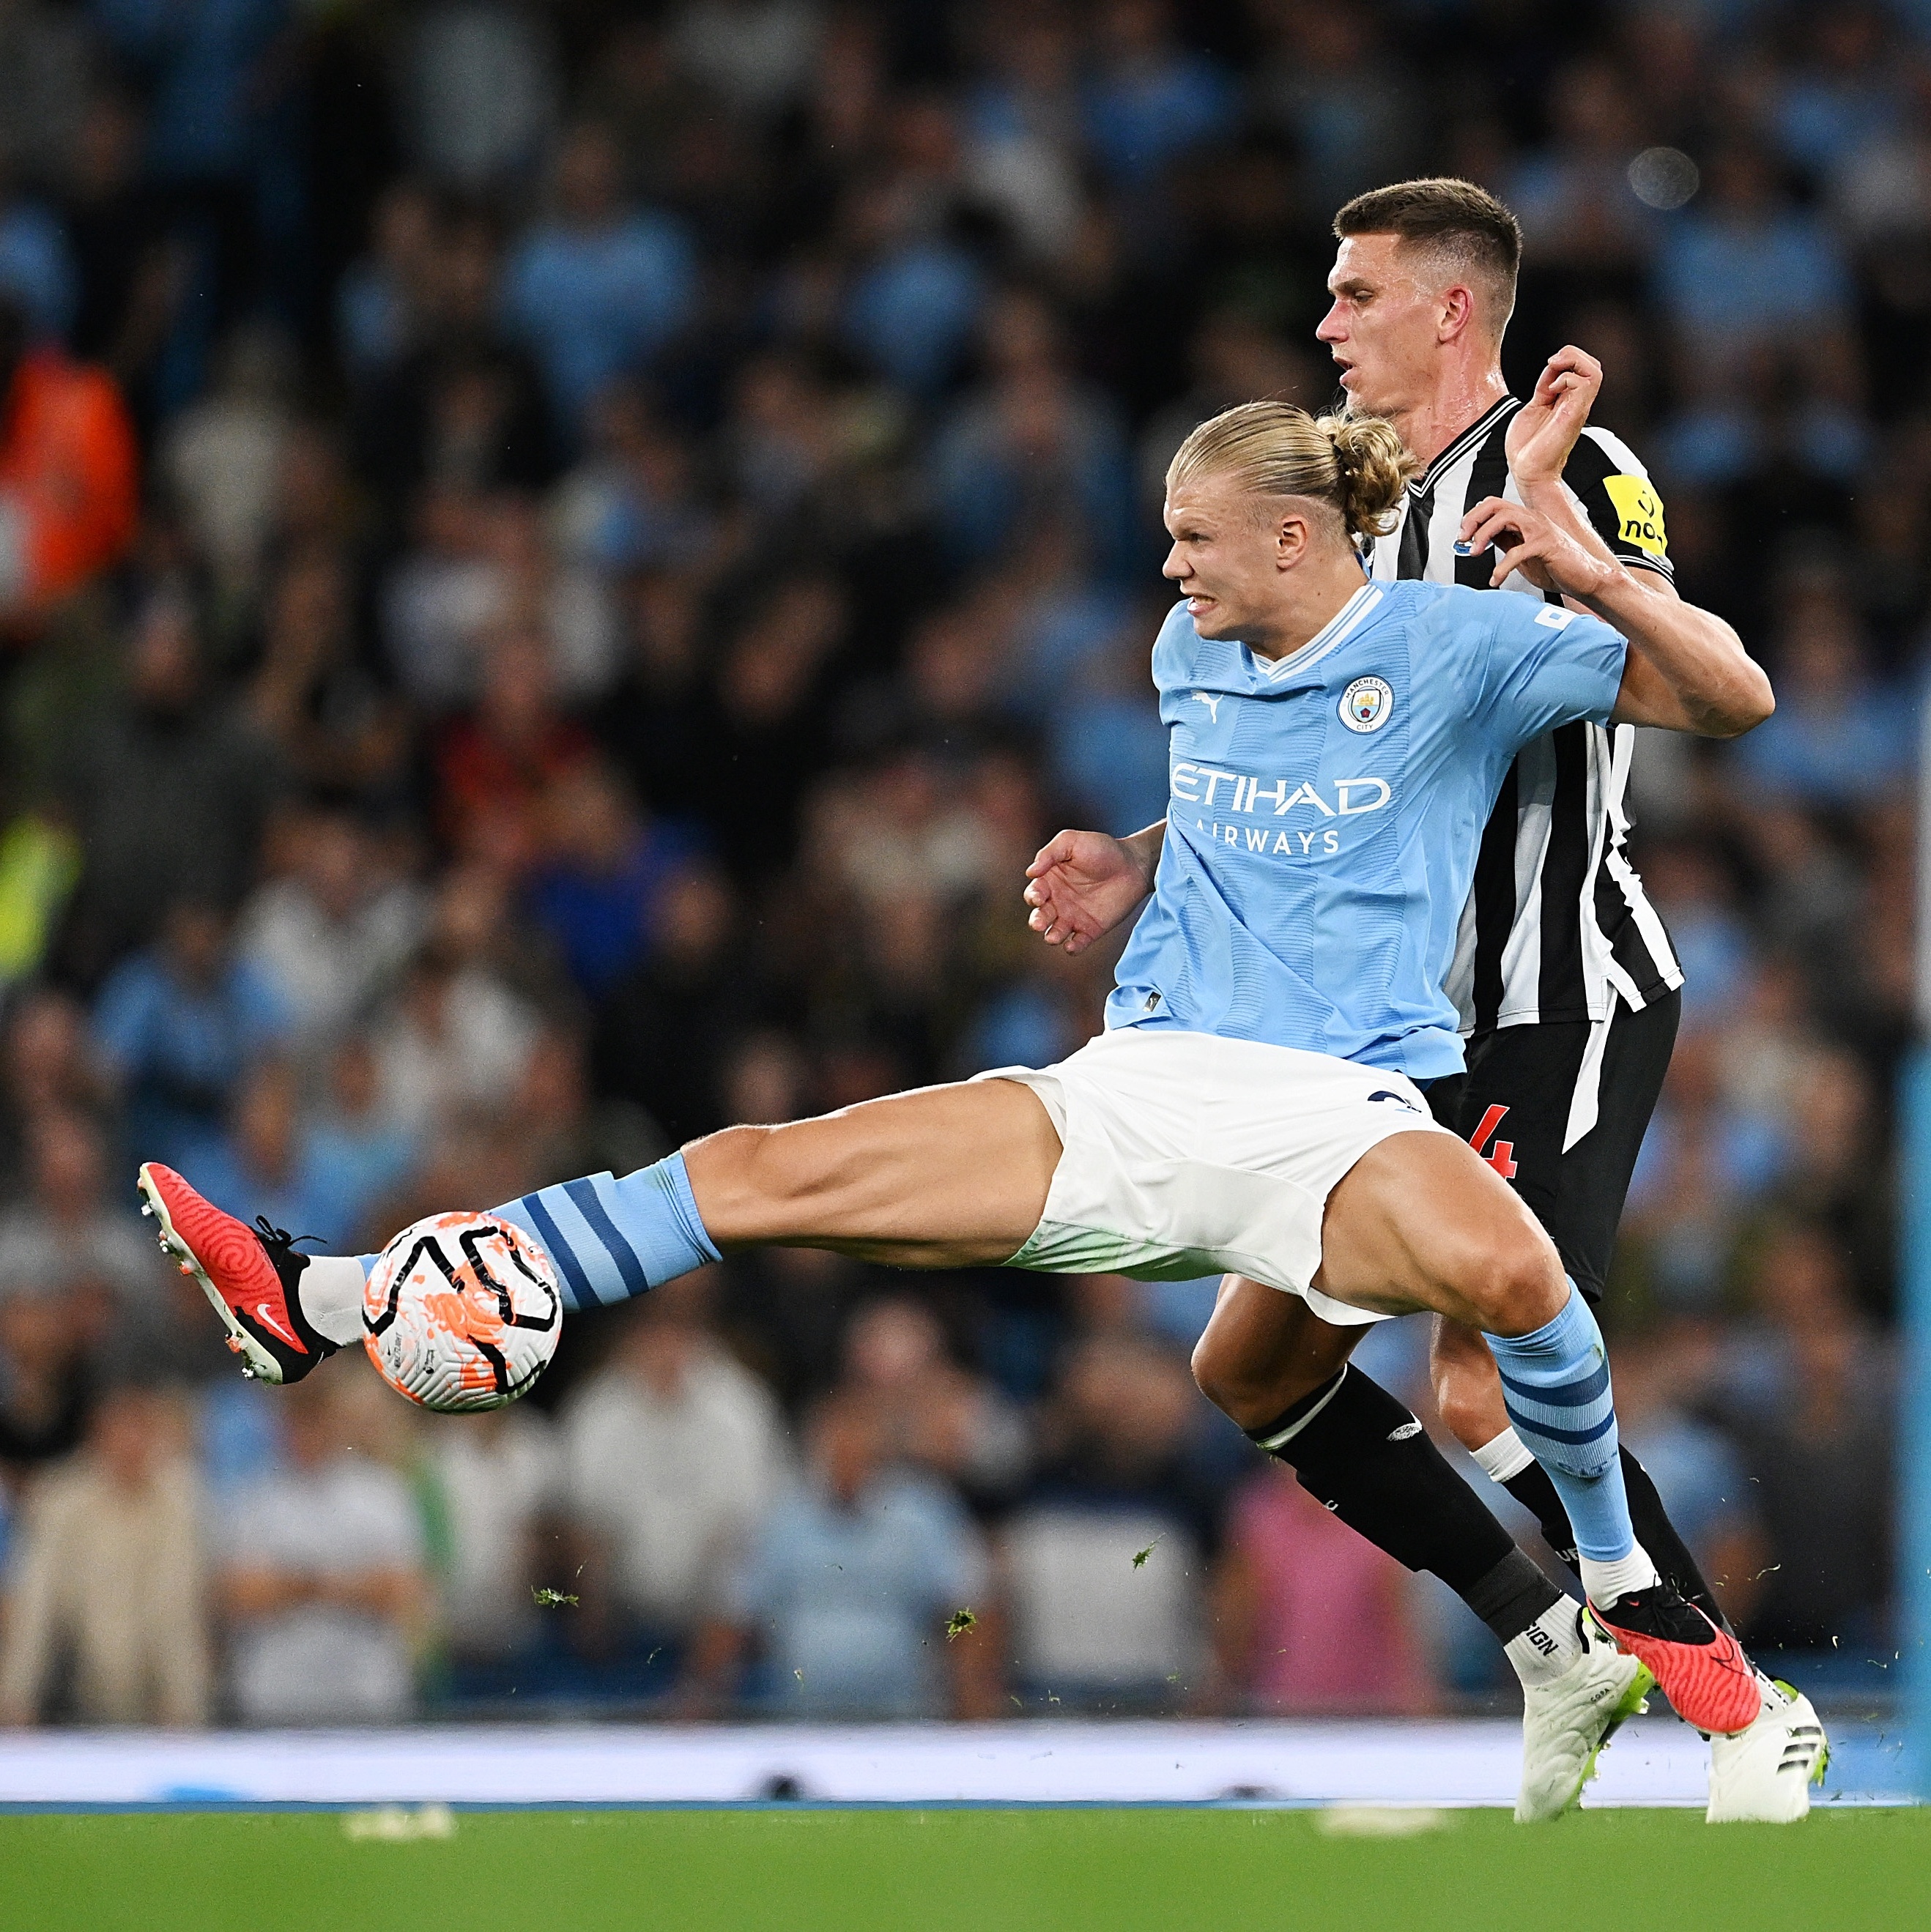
x=556, y=561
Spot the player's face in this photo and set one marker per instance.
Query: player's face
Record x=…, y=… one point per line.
x=1383, y=327
x=1226, y=558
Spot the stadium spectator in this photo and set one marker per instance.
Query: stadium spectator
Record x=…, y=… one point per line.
x=178, y=1025
x=462, y=408
x=47, y=1385
x=68, y=488
x=357, y=1155
x=48, y=1065
x=660, y=1026
x=166, y=787
x=496, y=765
x=66, y=1228
x=457, y=1034
x=1031, y=445
x=106, y=1590
x=1838, y=739
x=1150, y=100
x=599, y=287
x=850, y=1585
x=1750, y=269
x=267, y=1161
x=932, y=1414
x=1103, y=1564
x=222, y=458
x=605, y=868
x=1813, y=1400
x=1308, y=1616
x=323, y=1585
x=496, y=1480
x=330, y=932
x=670, y=1456
x=333, y=716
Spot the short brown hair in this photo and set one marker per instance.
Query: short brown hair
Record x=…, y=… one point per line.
x=1462, y=223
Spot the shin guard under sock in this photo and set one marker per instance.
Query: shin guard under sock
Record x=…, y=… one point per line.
x=1556, y=1388
x=610, y=1239
x=1356, y=1450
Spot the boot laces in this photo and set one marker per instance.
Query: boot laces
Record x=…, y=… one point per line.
x=279, y=1242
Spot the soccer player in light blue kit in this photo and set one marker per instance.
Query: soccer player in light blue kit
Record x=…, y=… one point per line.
x=1251, y=1107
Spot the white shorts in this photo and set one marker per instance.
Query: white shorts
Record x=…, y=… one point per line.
x=1187, y=1154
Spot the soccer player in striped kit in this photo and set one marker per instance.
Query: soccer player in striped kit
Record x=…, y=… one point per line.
x=1563, y=974
x=1565, y=977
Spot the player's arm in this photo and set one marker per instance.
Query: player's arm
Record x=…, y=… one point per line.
x=1688, y=671
x=1680, y=673
x=1083, y=884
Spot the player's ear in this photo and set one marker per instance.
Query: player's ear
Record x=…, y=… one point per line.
x=1456, y=310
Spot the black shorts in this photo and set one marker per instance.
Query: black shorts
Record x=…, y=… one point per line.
x=1512, y=1106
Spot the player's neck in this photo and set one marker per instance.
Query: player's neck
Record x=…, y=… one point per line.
x=1311, y=597
x=1464, y=396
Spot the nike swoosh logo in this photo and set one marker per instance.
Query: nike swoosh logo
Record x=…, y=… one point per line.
x=268, y=1322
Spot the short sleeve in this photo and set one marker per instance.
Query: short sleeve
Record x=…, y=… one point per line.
x=1607, y=478
x=1549, y=666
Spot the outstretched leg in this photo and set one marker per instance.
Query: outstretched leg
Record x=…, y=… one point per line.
x=944, y=1176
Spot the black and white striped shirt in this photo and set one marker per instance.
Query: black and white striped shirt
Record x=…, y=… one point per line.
x=1558, y=925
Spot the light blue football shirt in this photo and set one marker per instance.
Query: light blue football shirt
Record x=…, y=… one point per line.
x=1325, y=810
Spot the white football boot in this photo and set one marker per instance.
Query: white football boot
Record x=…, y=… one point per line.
x=1565, y=1724
x=1763, y=1774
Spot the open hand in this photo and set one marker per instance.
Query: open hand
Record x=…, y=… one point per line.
x=1544, y=429
x=1527, y=541
x=1081, y=886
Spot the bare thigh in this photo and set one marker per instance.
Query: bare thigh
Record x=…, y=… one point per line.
x=1265, y=1349
x=942, y=1177
x=1421, y=1221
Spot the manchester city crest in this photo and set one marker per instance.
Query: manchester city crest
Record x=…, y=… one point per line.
x=1367, y=704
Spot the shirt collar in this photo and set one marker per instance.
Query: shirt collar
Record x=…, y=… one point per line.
x=1330, y=636
x=1498, y=411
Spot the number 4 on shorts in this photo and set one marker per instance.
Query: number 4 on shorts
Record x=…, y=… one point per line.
x=1501, y=1157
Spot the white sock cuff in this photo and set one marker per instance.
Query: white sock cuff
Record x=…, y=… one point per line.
x=330, y=1290
x=1548, y=1648
x=1607, y=1581
x=1502, y=1457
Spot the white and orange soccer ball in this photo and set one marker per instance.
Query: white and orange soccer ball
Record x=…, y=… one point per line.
x=462, y=1312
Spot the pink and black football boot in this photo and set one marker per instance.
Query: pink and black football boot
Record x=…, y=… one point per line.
x=1701, y=1670
x=248, y=1275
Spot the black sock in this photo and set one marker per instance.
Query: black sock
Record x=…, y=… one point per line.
x=1531, y=1488
x=1357, y=1451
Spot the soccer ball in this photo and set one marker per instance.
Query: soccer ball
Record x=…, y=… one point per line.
x=462, y=1311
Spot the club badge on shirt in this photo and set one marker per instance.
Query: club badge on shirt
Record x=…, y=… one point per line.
x=1366, y=705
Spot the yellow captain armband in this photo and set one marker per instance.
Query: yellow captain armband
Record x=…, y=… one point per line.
x=1639, y=513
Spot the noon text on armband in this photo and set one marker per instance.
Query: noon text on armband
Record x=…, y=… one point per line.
x=1233, y=794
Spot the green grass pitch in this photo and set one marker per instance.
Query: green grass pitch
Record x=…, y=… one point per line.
x=975, y=1871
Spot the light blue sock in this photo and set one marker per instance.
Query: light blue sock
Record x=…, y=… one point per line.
x=611, y=1239
x=1555, y=1386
